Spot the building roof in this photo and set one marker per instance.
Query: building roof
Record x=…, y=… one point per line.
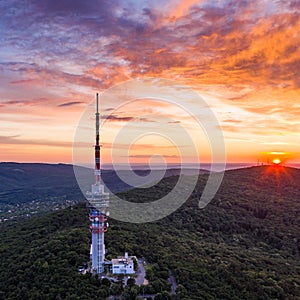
x=122, y=260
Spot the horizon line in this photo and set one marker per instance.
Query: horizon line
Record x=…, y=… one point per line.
x=144, y=166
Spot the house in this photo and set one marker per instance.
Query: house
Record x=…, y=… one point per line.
x=123, y=265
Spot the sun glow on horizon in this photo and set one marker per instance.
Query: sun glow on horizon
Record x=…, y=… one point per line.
x=277, y=158
x=276, y=161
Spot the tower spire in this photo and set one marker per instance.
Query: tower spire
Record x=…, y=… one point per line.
x=97, y=146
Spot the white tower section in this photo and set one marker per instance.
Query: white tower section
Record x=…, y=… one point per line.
x=98, y=201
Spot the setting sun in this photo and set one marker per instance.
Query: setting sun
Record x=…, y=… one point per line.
x=276, y=161
x=278, y=158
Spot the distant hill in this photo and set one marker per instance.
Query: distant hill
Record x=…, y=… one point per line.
x=27, y=188
x=21, y=182
x=244, y=245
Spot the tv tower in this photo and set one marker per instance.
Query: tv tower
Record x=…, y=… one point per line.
x=98, y=201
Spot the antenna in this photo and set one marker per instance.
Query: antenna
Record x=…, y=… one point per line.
x=97, y=146
x=97, y=101
x=97, y=122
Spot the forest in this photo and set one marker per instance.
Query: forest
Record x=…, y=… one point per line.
x=244, y=245
x=28, y=189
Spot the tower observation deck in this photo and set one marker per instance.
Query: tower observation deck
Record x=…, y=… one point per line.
x=98, y=202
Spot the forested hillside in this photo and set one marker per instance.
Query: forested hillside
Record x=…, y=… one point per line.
x=31, y=188
x=244, y=245
x=21, y=183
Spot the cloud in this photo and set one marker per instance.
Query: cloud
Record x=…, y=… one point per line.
x=181, y=9
x=148, y=156
x=123, y=118
x=32, y=102
x=70, y=103
x=116, y=118
x=133, y=147
x=232, y=121
x=16, y=140
x=71, y=7
x=25, y=81
x=240, y=54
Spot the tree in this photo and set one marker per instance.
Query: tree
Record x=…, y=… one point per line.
x=135, y=264
x=131, y=282
x=106, y=282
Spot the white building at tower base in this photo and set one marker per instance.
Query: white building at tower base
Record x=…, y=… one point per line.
x=123, y=265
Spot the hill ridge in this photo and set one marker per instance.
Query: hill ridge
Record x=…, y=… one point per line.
x=244, y=245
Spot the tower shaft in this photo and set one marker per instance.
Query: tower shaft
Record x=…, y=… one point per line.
x=98, y=201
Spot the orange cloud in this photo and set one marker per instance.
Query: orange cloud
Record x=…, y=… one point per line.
x=181, y=9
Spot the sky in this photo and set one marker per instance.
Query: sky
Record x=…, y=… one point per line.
x=241, y=57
